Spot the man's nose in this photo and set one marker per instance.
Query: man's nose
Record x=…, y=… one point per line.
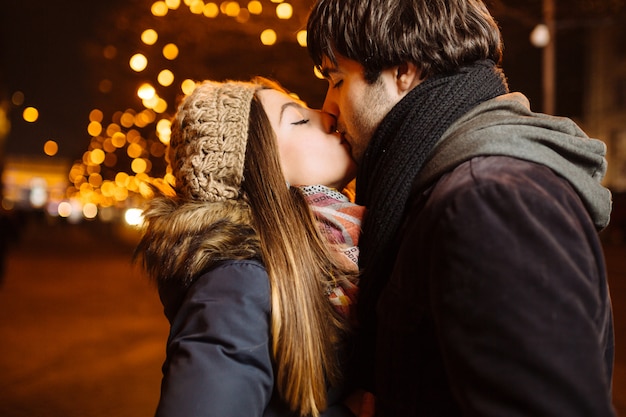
x=329, y=122
x=330, y=104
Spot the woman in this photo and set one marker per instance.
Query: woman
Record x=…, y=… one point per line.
x=243, y=271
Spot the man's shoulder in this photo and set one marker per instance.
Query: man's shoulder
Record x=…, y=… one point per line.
x=489, y=177
x=494, y=170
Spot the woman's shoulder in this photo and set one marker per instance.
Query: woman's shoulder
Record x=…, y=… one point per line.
x=242, y=278
x=245, y=279
x=239, y=266
x=234, y=270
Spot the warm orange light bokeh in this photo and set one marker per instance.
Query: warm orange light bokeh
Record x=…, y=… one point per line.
x=50, y=148
x=30, y=114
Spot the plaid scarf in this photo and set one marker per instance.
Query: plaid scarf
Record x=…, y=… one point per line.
x=340, y=222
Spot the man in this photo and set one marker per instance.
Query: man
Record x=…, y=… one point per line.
x=484, y=288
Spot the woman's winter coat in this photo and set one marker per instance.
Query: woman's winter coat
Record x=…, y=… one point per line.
x=219, y=350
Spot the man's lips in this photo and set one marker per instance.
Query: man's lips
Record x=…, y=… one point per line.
x=344, y=140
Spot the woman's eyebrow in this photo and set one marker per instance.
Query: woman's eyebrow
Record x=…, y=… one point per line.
x=286, y=105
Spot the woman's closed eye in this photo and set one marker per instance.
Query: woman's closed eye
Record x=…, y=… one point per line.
x=300, y=122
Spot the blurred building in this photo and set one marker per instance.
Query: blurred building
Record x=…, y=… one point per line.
x=605, y=98
x=34, y=182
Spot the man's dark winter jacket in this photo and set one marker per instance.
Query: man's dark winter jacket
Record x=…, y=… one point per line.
x=498, y=303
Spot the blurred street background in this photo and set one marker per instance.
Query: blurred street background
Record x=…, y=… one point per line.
x=82, y=333
x=87, y=89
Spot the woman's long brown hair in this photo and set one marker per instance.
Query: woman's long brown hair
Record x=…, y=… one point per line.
x=301, y=266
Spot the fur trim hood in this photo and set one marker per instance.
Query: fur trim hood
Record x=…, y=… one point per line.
x=184, y=238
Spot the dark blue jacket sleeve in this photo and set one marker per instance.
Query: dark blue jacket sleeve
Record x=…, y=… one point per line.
x=219, y=349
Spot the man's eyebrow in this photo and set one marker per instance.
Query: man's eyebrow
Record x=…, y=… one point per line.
x=285, y=106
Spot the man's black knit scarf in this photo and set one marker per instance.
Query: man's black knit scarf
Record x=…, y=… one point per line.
x=398, y=150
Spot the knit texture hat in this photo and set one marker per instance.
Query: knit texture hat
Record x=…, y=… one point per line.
x=208, y=141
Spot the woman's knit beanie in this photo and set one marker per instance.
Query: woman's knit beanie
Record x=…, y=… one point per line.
x=208, y=141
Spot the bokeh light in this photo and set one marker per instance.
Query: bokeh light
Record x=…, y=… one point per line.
x=187, y=86
x=96, y=156
x=196, y=7
x=159, y=8
x=90, y=211
x=301, y=38
x=118, y=139
x=231, y=8
x=255, y=7
x=172, y=4
x=149, y=36
x=17, y=98
x=138, y=62
x=133, y=217
x=30, y=114
x=540, y=36
x=317, y=72
x=268, y=37
x=165, y=78
x=211, y=10
x=64, y=209
x=164, y=130
x=50, y=148
x=139, y=165
x=96, y=115
x=146, y=91
x=170, y=51
x=284, y=11
x=94, y=128
x=134, y=150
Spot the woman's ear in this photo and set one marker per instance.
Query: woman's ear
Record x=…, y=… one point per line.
x=408, y=76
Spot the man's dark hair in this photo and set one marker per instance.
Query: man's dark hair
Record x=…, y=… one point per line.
x=439, y=36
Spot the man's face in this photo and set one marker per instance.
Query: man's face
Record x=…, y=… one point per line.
x=358, y=106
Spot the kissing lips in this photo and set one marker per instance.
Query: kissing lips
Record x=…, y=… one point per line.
x=345, y=142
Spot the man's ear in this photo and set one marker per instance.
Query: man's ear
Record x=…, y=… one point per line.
x=408, y=76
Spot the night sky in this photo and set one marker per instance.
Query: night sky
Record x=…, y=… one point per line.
x=42, y=55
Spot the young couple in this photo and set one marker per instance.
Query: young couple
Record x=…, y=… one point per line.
x=482, y=288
